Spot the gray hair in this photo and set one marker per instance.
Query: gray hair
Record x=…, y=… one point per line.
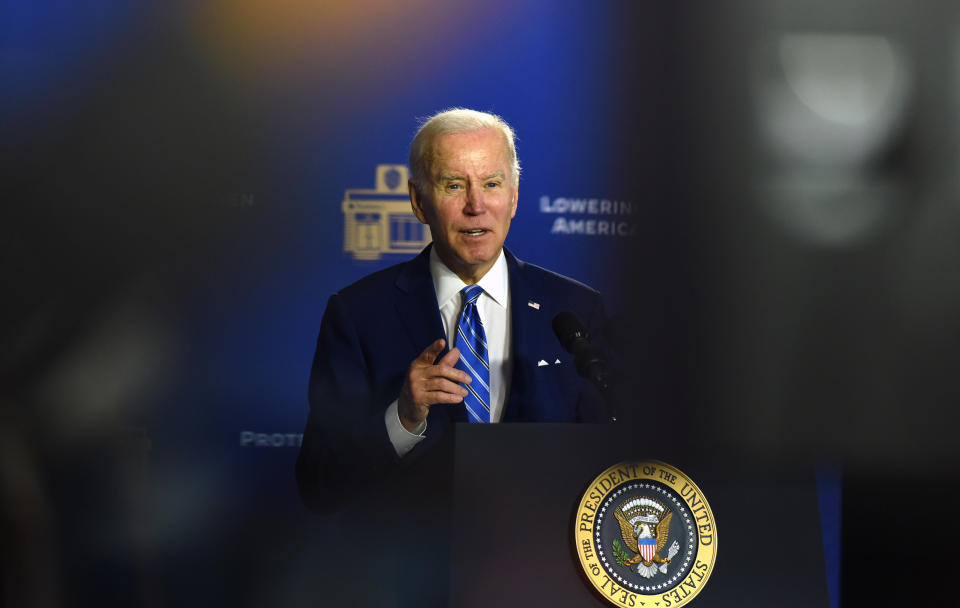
x=456, y=120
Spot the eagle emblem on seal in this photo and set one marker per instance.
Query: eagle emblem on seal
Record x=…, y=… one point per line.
x=644, y=527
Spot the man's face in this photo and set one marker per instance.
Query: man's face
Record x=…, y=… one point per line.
x=469, y=200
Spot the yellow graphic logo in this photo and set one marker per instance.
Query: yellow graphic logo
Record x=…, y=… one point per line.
x=380, y=221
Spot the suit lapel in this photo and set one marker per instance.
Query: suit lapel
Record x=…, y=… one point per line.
x=524, y=320
x=416, y=302
x=416, y=305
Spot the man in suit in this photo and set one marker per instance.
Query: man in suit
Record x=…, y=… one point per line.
x=390, y=375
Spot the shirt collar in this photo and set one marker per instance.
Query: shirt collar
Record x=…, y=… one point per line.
x=447, y=284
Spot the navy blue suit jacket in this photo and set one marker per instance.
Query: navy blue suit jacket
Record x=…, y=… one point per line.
x=373, y=330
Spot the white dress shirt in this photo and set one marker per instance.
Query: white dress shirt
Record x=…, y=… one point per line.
x=494, y=309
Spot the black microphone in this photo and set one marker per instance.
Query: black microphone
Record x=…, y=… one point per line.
x=575, y=339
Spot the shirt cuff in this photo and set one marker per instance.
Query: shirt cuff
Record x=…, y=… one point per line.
x=403, y=440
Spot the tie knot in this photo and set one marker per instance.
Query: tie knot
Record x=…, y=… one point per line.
x=471, y=293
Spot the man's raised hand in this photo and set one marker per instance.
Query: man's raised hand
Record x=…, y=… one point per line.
x=427, y=383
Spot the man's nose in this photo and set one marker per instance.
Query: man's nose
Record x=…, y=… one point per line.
x=474, y=201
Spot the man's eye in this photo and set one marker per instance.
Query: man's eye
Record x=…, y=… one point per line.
x=453, y=186
x=492, y=184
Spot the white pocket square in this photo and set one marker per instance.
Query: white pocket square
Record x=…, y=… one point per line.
x=541, y=363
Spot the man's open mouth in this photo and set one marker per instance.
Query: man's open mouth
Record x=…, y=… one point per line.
x=476, y=232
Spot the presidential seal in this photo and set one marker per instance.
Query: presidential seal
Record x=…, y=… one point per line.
x=645, y=535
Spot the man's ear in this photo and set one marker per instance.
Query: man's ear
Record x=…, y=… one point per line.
x=516, y=197
x=416, y=202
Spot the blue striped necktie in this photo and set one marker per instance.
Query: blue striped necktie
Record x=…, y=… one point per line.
x=472, y=342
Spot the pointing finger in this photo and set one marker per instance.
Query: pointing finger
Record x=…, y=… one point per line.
x=431, y=352
x=450, y=359
x=445, y=367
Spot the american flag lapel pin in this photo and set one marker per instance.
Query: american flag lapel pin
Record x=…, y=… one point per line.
x=533, y=305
